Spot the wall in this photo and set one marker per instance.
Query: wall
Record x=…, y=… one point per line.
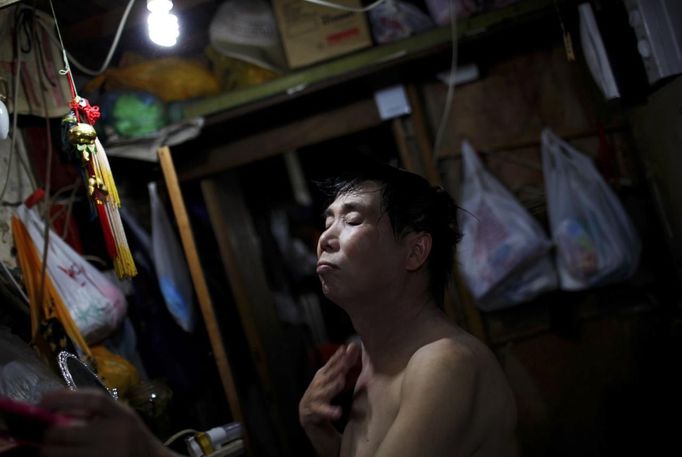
x=590, y=370
x=658, y=132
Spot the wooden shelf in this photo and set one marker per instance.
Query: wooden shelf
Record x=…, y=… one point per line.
x=238, y=102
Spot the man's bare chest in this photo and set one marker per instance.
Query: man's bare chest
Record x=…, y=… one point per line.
x=375, y=406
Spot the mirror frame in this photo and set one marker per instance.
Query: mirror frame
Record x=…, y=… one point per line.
x=62, y=360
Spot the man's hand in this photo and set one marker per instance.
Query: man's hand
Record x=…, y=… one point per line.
x=104, y=428
x=315, y=410
x=315, y=407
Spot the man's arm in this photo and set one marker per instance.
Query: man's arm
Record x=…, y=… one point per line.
x=436, y=405
x=103, y=427
x=315, y=410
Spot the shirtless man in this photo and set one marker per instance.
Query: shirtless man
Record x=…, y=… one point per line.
x=426, y=387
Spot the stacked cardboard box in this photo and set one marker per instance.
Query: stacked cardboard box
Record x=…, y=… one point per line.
x=313, y=33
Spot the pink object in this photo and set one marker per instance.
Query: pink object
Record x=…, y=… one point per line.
x=26, y=423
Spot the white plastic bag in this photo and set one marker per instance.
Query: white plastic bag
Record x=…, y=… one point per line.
x=96, y=305
x=596, y=241
x=247, y=30
x=522, y=285
x=440, y=9
x=396, y=20
x=502, y=248
x=171, y=267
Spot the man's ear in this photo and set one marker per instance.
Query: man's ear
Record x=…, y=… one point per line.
x=419, y=248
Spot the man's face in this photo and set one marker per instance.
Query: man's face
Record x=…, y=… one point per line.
x=358, y=254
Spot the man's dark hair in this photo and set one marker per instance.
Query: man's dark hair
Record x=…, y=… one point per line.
x=412, y=205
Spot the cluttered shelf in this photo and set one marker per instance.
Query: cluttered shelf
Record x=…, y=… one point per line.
x=235, y=103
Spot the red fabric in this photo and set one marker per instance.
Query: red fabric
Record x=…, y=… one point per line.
x=326, y=350
x=60, y=223
x=606, y=158
x=35, y=197
x=61, y=174
x=90, y=112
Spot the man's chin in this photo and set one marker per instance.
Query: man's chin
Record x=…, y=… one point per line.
x=326, y=290
x=329, y=291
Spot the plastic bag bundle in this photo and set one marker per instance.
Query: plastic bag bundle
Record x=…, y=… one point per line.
x=95, y=305
x=171, y=79
x=503, y=253
x=23, y=375
x=596, y=241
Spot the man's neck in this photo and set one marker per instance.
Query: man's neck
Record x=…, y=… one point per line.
x=390, y=325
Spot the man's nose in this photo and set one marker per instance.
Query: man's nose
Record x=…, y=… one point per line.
x=328, y=242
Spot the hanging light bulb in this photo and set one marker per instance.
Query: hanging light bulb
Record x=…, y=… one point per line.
x=162, y=25
x=4, y=114
x=4, y=121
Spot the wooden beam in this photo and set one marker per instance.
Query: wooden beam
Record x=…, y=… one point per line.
x=200, y=286
x=534, y=141
x=288, y=137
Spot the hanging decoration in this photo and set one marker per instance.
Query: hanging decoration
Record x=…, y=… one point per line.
x=79, y=139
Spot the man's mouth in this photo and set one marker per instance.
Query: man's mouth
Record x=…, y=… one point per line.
x=324, y=267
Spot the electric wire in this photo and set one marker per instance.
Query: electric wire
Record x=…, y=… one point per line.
x=170, y=440
x=453, y=62
x=14, y=282
x=15, y=115
x=73, y=188
x=69, y=209
x=48, y=178
x=23, y=161
x=451, y=84
x=112, y=48
x=355, y=9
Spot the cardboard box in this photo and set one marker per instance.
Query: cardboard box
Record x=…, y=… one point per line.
x=312, y=33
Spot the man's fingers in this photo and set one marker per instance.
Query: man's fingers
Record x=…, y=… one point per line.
x=331, y=388
x=328, y=412
x=62, y=451
x=90, y=402
x=320, y=414
x=76, y=434
x=353, y=351
x=344, y=362
x=334, y=359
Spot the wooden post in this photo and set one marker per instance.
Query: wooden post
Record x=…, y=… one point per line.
x=416, y=152
x=200, y=286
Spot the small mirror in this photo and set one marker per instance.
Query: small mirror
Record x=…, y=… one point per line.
x=78, y=375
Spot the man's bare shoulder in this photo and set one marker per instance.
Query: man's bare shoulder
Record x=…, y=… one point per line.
x=455, y=352
x=462, y=369
x=453, y=348
x=453, y=356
